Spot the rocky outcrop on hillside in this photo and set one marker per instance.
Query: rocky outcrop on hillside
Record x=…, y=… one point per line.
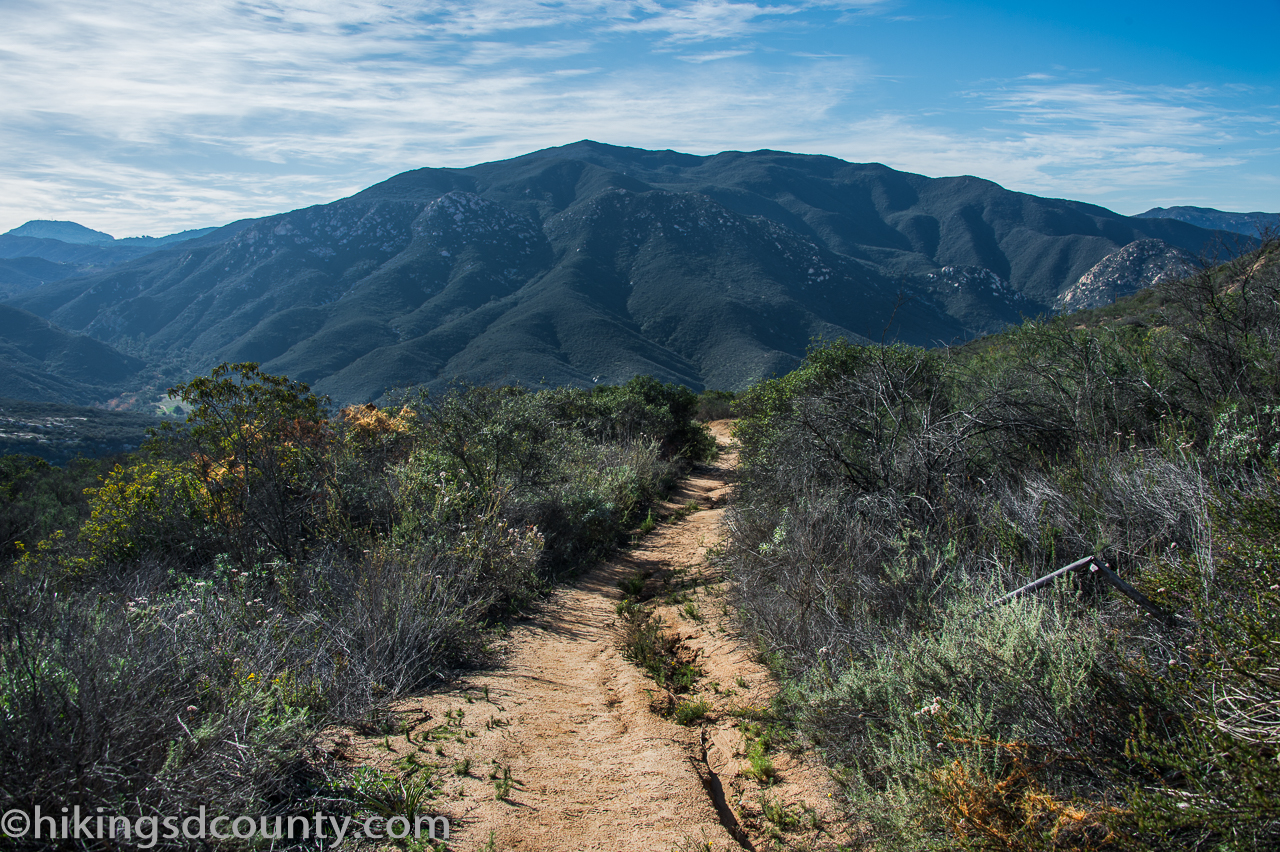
x=1140, y=264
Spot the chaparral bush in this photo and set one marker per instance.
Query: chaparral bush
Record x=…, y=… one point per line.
x=888, y=493
x=269, y=568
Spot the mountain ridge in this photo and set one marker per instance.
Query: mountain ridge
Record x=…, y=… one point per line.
x=590, y=263
x=1248, y=224
x=76, y=234
x=44, y=363
x=61, y=249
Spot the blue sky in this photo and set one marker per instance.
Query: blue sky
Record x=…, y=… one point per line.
x=141, y=117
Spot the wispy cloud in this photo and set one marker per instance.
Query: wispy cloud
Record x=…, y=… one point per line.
x=700, y=20
x=699, y=58
x=333, y=92
x=1128, y=115
x=1107, y=142
x=134, y=115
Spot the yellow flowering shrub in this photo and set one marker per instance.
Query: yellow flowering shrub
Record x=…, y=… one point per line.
x=146, y=508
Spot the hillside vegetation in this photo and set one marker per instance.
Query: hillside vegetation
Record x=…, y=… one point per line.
x=268, y=568
x=177, y=638
x=43, y=363
x=888, y=494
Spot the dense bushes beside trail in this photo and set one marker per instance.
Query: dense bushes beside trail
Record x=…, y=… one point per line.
x=715, y=405
x=270, y=568
x=38, y=499
x=886, y=493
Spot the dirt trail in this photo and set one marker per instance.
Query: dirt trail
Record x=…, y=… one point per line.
x=572, y=734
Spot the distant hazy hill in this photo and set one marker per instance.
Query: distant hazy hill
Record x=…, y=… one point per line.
x=592, y=263
x=1248, y=224
x=85, y=256
x=26, y=273
x=76, y=234
x=67, y=232
x=73, y=249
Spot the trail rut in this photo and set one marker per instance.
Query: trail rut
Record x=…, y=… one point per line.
x=563, y=745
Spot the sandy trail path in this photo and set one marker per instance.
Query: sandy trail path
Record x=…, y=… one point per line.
x=572, y=724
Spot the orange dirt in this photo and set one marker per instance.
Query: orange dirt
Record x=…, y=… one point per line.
x=592, y=763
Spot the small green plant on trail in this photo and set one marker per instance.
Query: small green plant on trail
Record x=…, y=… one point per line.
x=691, y=712
x=762, y=768
x=648, y=524
x=646, y=645
x=760, y=741
x=386, y=794
x=779, y=816
x=690, y=844
x=502, y=781
x=632, y=586
x=409, y=764
x=686, y=510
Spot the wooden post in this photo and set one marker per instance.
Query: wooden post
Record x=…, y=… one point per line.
x=1095, y=566
x=1101, y=569
x=1035, y=584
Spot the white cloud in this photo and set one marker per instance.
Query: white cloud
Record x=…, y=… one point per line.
x=700, y=20
x=1106, y=143
x=132, y=115
x=690, y=21
x=699, y=58
x=1126, y=115
x=161, y=110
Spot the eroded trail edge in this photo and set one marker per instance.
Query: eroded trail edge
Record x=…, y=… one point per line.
x=568, y=745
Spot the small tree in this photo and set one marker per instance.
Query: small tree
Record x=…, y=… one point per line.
x=259, y=443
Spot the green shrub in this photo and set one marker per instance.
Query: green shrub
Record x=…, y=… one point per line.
x=883, y=489
x=38, y=499
x=1214, y=775
x=264, y=571
x=714, y=405
x=148, y=509
x=259, y=443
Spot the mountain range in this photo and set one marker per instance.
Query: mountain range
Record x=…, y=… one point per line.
x=77, y=234
x=1249, y=224
x=43, y=250
x=591, y=263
